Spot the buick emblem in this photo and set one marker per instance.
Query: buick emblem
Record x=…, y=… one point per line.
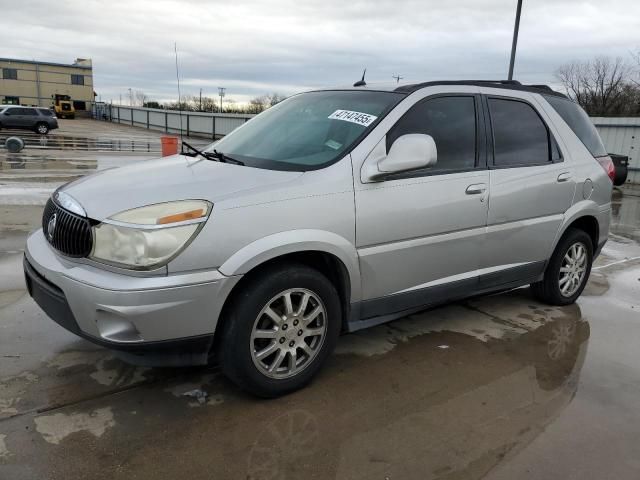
x=51, y=226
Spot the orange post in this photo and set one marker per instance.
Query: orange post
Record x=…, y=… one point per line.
x=169, y=145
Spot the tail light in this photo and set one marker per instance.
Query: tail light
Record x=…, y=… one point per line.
x=606, y=163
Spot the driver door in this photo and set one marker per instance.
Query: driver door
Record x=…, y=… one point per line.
x=419, y=233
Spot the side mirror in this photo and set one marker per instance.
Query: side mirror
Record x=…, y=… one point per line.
x=409, y=152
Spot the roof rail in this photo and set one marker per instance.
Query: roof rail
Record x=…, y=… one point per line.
x=506, y=84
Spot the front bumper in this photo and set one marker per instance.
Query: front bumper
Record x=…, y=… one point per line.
x=155, y=316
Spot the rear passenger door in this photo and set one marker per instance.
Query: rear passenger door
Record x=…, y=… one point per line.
x=29, y=117
x=531, y=186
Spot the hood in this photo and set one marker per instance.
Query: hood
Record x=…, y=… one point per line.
x=167, y=179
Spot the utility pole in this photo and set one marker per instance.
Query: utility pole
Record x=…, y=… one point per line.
x=221, y=91
x=200, y=99
x=514, y=43
x=130, y=98
x=397, y=77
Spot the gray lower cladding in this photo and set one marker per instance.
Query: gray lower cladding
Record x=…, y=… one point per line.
x=380, y=310
x=166, y=353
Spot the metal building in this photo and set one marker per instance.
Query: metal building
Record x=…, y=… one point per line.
x=33, y=83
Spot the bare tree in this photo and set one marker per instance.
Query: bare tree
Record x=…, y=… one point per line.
x=597, y=85
x=140, y=98
x=257, y=104
x=635, y=79
x=274, y=98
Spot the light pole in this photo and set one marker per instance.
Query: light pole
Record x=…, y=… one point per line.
x=221, y=93
x=514, y=43
x=130, y=98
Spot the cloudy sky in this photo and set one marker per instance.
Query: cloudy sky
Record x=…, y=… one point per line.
x=253, y=47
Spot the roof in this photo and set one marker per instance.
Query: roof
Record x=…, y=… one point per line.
x=35, y=62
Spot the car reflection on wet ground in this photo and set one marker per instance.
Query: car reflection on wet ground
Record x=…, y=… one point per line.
x=498, y=386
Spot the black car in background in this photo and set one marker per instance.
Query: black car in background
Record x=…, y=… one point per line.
x=39, y=120
x=621, y=164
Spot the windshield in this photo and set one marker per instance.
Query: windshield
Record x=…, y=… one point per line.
x=307, y=131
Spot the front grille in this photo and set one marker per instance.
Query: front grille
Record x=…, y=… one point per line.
x=71, y=234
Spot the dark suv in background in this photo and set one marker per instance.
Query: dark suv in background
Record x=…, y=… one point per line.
x=40, y=120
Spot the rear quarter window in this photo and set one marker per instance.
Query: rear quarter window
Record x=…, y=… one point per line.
x=579, y=122
x=45, y=112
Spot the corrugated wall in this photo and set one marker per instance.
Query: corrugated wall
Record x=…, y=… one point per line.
x=622, y=136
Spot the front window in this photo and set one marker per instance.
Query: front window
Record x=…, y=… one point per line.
x=307, y=131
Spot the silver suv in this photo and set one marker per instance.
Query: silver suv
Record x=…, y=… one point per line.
x=333, y=211
x=39, y=120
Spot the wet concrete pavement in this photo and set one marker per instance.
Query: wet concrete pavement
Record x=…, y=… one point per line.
x=499, y=387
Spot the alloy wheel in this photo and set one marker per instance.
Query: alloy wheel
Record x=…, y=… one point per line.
x=288, y=333
x=573, y=269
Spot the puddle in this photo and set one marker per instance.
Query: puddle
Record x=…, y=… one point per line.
x=55, y=428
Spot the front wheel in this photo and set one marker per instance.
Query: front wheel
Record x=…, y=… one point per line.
x=568, y=270
x=279, y=330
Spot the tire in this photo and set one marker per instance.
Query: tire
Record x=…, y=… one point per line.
x=550, y=290
x=246, y=321
x=42, y=128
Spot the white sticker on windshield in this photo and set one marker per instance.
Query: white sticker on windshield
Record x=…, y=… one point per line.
x=360, y=118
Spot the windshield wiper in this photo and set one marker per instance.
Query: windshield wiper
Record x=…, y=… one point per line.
x=214, y=156
x=224, y=158
x=196, y=151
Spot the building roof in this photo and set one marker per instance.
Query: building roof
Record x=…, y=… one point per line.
x=36, y=62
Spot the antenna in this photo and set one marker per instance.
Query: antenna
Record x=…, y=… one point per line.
x=397, y=77
x=175, y=49
x=361, y=83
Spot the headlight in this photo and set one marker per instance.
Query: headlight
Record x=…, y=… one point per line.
x=149, y=236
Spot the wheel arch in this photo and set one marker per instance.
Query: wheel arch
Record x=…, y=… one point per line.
x=332, y=255
x=584, y=218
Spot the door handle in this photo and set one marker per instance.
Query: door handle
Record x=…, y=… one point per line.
x=564, y=176
x=476, y=189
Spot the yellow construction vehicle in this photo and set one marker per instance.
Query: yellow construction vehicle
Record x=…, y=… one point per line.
x=63, y=106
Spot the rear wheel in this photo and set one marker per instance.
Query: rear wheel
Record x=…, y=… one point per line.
x=568, y=270
x=42, y=128
x=279, y=330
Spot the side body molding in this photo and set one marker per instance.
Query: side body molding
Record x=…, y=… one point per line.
x=294, y=241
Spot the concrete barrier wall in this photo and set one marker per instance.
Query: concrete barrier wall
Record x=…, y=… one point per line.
x=195, y=124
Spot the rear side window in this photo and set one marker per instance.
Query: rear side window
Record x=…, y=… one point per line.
x=520, y=137
x=579, y=122
x=451, y=121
